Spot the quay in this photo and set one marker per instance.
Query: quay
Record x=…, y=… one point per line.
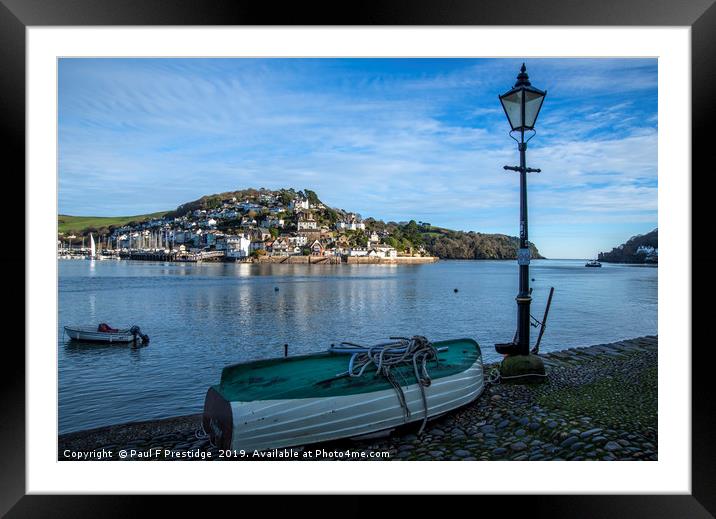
x=349, y=260
x=598, y=403
x=173, y=256
x=220, y=256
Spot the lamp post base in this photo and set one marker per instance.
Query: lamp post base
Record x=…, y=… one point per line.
x=522, y=369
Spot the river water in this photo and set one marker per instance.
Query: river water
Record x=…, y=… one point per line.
x=201, y=317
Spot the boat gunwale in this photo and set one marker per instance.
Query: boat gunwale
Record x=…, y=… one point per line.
x=229, y=373
x=275, y=360
x=93, y=329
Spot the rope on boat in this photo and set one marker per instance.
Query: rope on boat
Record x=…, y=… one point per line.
x=201, y=434
x=401, y=351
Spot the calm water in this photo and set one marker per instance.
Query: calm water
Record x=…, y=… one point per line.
x=201, y=317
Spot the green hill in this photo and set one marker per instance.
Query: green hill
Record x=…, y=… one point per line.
x=638, y=249
x=448, y=243
x=404, y=236
x=81, y=224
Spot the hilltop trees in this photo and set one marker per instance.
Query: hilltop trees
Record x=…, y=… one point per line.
x=473, y=245
x=642, y=248
x=312, y=197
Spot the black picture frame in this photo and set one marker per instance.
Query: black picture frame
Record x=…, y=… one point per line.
x=17, y=15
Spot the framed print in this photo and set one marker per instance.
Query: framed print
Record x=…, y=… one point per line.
x=421, y=237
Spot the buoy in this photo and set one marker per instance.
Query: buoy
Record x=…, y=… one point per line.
x=455, y=290
x=275, y=289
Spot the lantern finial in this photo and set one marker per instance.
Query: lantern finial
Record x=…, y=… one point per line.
x=522, y=78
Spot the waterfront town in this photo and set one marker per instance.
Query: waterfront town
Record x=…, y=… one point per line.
x=248, y=225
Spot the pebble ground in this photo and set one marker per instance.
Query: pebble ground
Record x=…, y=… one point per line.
x=598, y=403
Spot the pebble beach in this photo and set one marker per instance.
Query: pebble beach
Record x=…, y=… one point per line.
x=597, y=403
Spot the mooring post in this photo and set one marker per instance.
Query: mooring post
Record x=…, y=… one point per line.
x=285, y=350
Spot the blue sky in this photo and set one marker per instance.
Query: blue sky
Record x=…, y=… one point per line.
x=395, y=139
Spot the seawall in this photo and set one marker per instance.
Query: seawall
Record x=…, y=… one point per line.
x=400, y=260
x=350, y=260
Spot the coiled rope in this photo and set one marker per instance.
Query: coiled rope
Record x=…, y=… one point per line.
x=493, y=377
x=385, y=357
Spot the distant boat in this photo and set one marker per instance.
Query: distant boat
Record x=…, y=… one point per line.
x=92, y=333
x=277, y=403
x=593, y=263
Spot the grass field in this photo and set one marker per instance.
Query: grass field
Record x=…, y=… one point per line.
x=66, y=223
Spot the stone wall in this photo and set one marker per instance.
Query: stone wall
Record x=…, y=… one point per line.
x=352, y=260
x=401, y=260
x=291, y=260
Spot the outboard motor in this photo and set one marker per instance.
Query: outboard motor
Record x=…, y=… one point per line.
x=136, y=331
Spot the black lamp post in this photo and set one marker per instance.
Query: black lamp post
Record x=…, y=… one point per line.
x=522, y=105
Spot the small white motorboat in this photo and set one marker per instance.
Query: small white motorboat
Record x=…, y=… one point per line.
x=301, y=400
x=92, y=333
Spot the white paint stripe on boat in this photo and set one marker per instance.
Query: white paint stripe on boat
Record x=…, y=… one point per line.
x=436, y=404
x=412, y=395
x=283, y=423
x=259, y=410
x=291, y=437
x=377, y=420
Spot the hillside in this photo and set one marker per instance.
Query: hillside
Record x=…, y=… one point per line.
x=643, y=248
x=450, y=244
x=85, y=224
x=208, y=202
x=234, y=212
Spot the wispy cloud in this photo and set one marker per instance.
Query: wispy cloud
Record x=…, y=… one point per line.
x=394, y=139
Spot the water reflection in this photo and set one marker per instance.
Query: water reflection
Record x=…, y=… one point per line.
x=201, y=317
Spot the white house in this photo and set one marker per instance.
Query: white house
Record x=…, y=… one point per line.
x=350, y=225
x=249, y=206
x=646, y=249
x=386, y=252
x=298, y=241
x=307, y=223
x=299, y=203
x=651, y=254
x=247, y=221
x=237, y=246
x=280, y=247
x=272, y=221
x=317, y=248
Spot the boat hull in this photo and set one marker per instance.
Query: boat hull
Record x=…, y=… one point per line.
x=78, y=334
x=268, y=424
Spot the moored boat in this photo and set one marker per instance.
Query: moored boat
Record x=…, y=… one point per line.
x=307, y=399
x=92, y=333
